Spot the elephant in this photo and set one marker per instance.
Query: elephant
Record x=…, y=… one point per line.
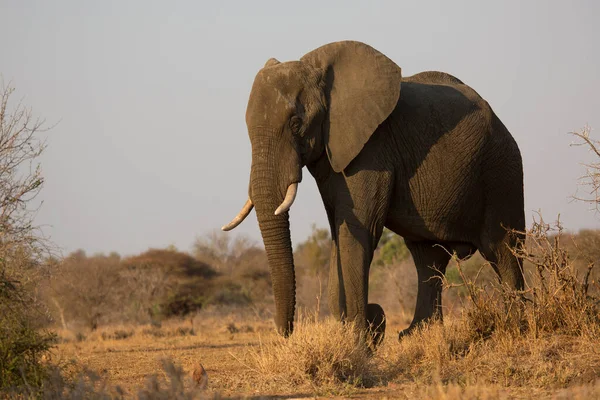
x=423, y=155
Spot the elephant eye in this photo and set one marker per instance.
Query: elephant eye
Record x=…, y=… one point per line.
x=295, y=124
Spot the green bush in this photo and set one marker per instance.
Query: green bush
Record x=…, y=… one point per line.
x=22, y=343
x=181, y=304
x=229, y=293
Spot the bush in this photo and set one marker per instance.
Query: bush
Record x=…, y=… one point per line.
x=86, y=289
x=561, y=298
x=557, y=299
x=119, y=334
x=22, y=344
x=228, y=292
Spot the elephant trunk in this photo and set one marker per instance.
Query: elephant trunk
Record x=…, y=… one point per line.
x=275, y=230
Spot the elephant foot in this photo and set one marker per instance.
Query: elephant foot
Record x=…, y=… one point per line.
x=416, y=325
x=376, y=325
x=406, y=332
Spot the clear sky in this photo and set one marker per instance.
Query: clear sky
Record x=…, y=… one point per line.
x=151, y=147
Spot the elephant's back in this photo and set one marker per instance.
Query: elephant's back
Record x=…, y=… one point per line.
x=433, y=77
x=440, y=131
x=451, y=148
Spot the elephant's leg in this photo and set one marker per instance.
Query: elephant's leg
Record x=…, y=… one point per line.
x=358, y=206
x=506, y=265
x=376, y=323
x=375, y=317
x=335, y=293
x=355, y=246
x=431, y=261
x=354, y=258
x=509, y=270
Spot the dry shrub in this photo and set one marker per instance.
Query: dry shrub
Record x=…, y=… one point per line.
x=87, y=384
x=85, y=289
x=118, y=334
x=320, y=355
x=561, y=299
x=558, y=299
x=490, y=307
x=428, y=354
x=233, y=328
x=178, y=285
x=171, y=383
x=453, y=354
x=545, y=336
x=155, y=332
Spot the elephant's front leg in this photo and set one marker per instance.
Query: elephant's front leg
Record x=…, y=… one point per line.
x=356, y=206
x=355, y=257
x=351, y=257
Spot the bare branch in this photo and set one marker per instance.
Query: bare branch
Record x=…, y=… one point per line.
x=20, y=175
x=591, y=178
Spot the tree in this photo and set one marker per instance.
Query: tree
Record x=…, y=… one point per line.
x=219, y=251
x=390, y=250
x=21, y=245
x=313, y=254
x=591, y=178
x=85, y=288
x=20, y=174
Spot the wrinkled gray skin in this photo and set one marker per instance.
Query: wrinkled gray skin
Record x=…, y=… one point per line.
x=424, y=156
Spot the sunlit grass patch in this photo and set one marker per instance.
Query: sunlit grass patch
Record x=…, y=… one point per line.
x=321, y=355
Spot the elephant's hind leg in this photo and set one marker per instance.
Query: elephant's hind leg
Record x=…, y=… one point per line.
x=499, y=255
x=431, y=261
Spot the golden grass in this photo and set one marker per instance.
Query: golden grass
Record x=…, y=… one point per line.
x=321, y=356
x=320, y=359
x=543, y=342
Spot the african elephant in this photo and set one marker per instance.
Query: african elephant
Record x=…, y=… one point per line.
x=424, y=156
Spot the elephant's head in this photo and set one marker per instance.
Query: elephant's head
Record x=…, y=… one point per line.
x=332, y=100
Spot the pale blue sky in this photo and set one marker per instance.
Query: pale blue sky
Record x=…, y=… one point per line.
x=151, y=147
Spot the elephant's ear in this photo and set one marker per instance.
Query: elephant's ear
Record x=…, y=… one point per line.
x=363, y=87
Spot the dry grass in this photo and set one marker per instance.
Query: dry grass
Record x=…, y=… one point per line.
x=321, y=357
x=452, y=354
x=323, y=360
x=545, y=339
x=543, y=342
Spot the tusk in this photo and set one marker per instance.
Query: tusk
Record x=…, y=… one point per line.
x=240, y=217
x=290, y=196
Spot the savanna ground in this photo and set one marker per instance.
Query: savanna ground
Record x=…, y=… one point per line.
x=245, y=358
x=495, y=343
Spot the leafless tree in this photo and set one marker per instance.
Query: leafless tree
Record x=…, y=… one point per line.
x=219, y=251
x=591, y=178
x=86, y=288
x=21, y=243
x=20, y=173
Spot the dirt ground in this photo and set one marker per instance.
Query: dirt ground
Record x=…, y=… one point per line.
x=222, y=348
